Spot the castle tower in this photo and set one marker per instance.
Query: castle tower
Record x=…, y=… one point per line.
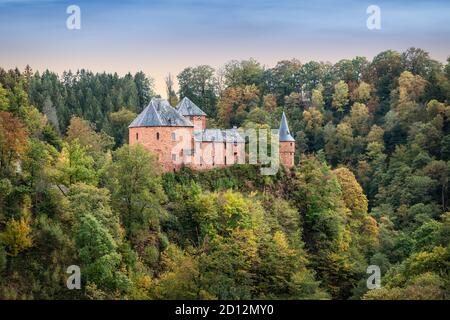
x=162, y=130
x=193, y=113
x=287, y=144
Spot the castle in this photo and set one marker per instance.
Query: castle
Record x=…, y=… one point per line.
x=179, y=137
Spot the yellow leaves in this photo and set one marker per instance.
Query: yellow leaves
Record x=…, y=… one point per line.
x=359, y=118
x=282, y=244
x=13, y=138
x=17, y=236
x=83, y=131
x=362, y=93
x=123, y=116
x=234, y=208
x=178, y=281
x=312, y=119
x=370, y=230
x=317, y=98
x=376, y=134
x=247, y=243
x=344, y=240
x=4, y=101
x=340, y=96
x=352, y=193
x=141, y=288
x=270, y=102
x=435, y=108
x=237, y=101
x=438, y=259
x=410, y=87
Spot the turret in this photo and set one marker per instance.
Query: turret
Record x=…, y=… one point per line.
x=287, y=144
x=193, y=113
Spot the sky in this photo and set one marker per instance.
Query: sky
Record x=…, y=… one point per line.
x=160, y=37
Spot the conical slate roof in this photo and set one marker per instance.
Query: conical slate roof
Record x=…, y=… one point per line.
x=159, y=113
x=285, y=134
x=187, y=108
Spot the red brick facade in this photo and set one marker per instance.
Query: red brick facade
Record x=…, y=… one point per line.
x=287, y=151
x=198, y=121
x=168, y=143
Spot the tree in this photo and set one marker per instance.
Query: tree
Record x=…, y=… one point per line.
x=383, y=72
x=98, y=254
x=4, y=101
x=339, y=142
x=119, y=125
x=180, y=278
x=236, y=102
x=74, y=165
x=362, y=93
x=13, y=136
x=407, y=95
x=282, y=273
x=269, y=103
x=243, y=73
x=418, y=62
x=171, y=95
x=352, y=193
x=50, y=112
x=439, y=170
x=283, y=79
x=360, y=119
x=144, y=86
x=200, y=86
x=317, y=98
x=83, y=131
x=17, y=236
x=137, y=195
x=427, y=286
x=316, y=193
x=340, y=96
x=98, y=236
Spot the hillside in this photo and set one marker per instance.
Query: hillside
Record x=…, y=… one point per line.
x=370, y=185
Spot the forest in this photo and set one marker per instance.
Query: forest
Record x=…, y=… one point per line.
x=370, y=185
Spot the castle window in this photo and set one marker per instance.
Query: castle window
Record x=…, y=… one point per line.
x=291, y=144
x=157, y=136
x=174, y=157
x=137, y=136
x=174, y=136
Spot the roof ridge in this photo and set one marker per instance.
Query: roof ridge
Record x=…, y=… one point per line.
x=159, y=113
x=188, y=108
